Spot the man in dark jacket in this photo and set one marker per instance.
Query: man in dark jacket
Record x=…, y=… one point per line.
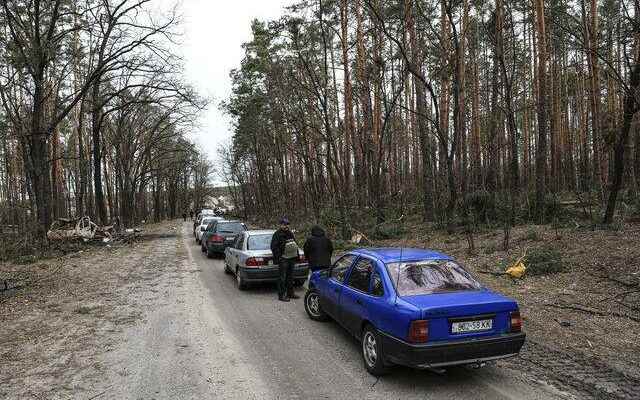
x=282, y=244
x=318, y=249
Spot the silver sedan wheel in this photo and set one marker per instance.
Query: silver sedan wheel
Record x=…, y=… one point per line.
x=313, y=304
x=369, y=349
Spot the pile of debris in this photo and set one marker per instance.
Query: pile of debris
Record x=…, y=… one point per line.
x=65, y=229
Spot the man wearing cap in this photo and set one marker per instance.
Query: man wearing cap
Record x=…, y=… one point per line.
x=285, y=253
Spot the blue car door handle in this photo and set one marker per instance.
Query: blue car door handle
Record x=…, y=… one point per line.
x=358, y=301
x=337, y=290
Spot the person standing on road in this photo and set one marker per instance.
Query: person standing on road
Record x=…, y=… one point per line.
x=285, y=253
x=190, y=214
x=318, y=250
x=184, y=217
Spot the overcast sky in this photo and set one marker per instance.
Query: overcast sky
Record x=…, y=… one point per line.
x=214, y=31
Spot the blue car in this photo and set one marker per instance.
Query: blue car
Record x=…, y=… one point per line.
x=417, y=308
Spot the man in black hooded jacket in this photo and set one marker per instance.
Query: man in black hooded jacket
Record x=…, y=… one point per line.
x=285, y=264
x=318, y=249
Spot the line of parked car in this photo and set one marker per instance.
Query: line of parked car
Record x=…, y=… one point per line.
x=247, y=253
x=412, y=307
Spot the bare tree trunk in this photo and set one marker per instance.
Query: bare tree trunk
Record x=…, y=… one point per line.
x=541, y=149
x=630, y=108
x=40, y=171
x=349, y=122
x=476, y=162
x=365, y=105
x=591, y=44
x=96, y=121
x=421, y=110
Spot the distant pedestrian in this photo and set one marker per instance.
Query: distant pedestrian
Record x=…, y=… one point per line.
x=184, y=217
x=190, y=214
x=285, y=254
x=318, y=250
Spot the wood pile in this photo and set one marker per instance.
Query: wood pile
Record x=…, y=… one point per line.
x=83, y=229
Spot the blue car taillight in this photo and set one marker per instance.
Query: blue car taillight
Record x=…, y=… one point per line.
x=418, y=331
x=516, y=322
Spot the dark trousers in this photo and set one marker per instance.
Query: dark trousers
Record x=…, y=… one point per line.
x=285, y=282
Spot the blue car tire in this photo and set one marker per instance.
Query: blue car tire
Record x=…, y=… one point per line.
x=372, y=353
x=312, y=306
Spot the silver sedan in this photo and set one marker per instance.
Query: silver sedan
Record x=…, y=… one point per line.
x=251, y=260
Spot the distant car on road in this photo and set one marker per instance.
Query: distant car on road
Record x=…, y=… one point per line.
x=199, y=217
x=417, y=308
x=202, y=226
x=251, y=260
x=219, y=235
x=196, y=224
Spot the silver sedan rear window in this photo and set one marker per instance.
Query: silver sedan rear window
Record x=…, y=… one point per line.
x=259, y=242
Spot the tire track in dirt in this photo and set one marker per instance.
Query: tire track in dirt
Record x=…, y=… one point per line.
x=586, y=375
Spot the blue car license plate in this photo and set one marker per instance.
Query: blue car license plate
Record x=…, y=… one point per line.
x=471, y=326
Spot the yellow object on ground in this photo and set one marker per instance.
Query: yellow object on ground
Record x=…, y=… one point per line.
x=517, y=270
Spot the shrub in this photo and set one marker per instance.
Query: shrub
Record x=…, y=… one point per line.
x=551, y=208
x=543, y=261
x=346, y=245
x=635, y=208
x=482, y=204
x=532, y=235
x=388, y=231
x=84, y=310
x=490, y=249
x=25, y=259
x=615, y=226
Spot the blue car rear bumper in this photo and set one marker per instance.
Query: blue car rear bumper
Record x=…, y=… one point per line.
x=459, y=352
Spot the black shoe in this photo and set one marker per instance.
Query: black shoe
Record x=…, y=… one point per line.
x=294, y=296
x=283, y=298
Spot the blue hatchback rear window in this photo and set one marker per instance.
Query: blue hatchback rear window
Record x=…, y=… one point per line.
x=430, y=276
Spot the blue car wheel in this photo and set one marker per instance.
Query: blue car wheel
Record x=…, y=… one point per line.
x=372, y=352
x=312, y=306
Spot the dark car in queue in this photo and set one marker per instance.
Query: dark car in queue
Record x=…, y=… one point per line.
x=251, y=260
x=417, y=308
x=219, y=235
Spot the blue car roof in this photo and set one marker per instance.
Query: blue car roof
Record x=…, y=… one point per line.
x=397, y=254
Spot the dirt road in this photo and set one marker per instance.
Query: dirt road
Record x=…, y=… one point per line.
x=176, y=327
